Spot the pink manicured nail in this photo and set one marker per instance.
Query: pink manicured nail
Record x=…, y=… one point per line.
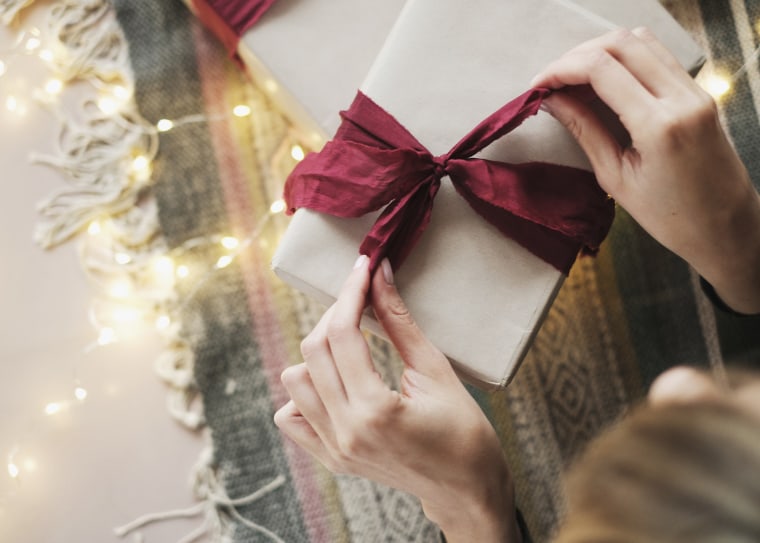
x=387, y=271
x=360, y=261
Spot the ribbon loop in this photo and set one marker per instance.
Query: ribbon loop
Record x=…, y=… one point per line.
x=553, y=211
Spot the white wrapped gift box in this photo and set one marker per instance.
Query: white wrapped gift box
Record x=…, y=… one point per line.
x=446, y=65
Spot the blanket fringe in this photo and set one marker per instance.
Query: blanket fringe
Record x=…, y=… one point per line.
x=216, y=506
x=9, y=9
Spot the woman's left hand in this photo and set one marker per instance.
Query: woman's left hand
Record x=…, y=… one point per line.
x=429, y=439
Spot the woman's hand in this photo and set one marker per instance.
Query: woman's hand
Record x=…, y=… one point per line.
x=429, y=439
x=680, y=178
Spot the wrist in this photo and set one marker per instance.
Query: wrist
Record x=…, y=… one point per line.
x=733, y=265
x=483, y=512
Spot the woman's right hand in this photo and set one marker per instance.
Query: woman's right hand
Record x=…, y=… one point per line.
x=680, y=178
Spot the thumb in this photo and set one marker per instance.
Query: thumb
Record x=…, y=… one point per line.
x=599, y=144
x=391, y=311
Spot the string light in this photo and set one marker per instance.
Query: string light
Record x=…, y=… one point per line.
x=13, y=470
x=122, y=258
x=30, y=465
x=125, y=315
x=140, y=163
x=32, y=44
x=716, y=85
x=106, y=336
x=53, y=408
x=2, y=68
x=121, y=93
x=11, y=103
x=278, y=206
x=107, y=105
x=53, y=86
x=120, y=289
x=182, y=271
x=223, y=261
x=80, y=393
x=297, y=153
x=164, y=125
x=46, y=55
x=241, y=110
x=163, y=322
x=94, y=228
x=229, y=242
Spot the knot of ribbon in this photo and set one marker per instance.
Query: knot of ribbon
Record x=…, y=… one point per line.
x=554, y=211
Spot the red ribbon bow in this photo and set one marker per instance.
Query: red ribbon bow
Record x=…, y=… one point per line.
x=229, y=19
x=554, y=211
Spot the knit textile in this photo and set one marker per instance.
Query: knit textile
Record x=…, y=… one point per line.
x=619, y=320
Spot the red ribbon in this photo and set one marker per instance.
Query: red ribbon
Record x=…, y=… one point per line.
x=554, y=211
x=229, y=19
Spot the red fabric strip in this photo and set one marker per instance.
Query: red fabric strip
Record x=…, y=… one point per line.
x=373, y=162
x=229, y=19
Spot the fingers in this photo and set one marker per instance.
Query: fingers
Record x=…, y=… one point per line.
x=597, y=142
x=349, y=348
x=629, y=71
x=290, y=420
x=391, y=311
x=307, y=401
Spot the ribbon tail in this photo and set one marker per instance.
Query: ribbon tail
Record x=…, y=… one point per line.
x=400, y=225
x=553, y=211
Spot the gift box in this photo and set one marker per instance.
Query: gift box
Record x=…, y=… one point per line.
x=478, y=295
x=310, y=56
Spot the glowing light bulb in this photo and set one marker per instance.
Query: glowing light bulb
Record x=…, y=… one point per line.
x=223, y=261
x=46, y=55
x=107, y=105
x=182, y=271
x=125, y=314
x=2, y=68
x=94, y=228
x=716, y=85
x=121, y=93
x=164, y=125
x=122, y=258
x=30, y=464
x=241, y=110
x=53, y=408
x=80, y=393
x=164, y=266
x=297, y=152
x=53, y=86
x=11, y=103
x=140, y=163
x=106, y=336
x=13, y=470
x=163, y=322
x=120, y=289
x=270, y=85
x=229, y=242
x=278, y=206
x=32, y=44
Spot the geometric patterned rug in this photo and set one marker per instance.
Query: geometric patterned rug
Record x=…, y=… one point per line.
x=619, y=320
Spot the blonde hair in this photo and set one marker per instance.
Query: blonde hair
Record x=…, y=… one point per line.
x=673, y=473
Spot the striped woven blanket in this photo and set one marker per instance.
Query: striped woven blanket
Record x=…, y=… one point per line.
x=619, y=320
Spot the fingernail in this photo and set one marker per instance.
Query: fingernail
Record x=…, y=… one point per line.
x=387, y=271
x=360, y=261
